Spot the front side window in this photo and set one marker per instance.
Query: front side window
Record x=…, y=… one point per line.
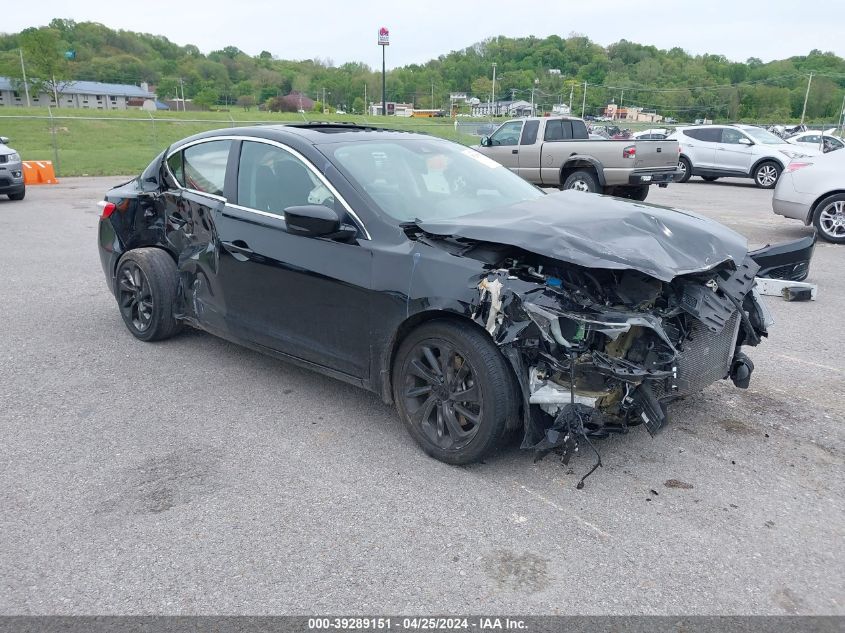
x=271, y=179
x=204, y=166
x=424, y=180
x=732, y=136
x=508, y=134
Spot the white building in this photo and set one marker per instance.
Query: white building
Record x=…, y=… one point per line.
x=503, y=108
x=93, y=95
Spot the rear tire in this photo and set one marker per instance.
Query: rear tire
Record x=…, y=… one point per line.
x=829, y=218
x=685, y=166
x=766, y=174
x=581, y=181
x=146, y=286
x=454, y=391
x=18, y=196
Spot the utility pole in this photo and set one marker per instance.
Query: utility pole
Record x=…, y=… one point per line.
x=324, y=98
x=182, y=86
x=622, y=99
x=806, y=94
x=432, y=94
x=571, y=96
x=494, y=86
x=584, y=102
x=842, y=116
x=366, y=105
x=25, y=85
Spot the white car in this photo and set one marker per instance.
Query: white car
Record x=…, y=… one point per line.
x=813, y=140
x=735, y=151
x=812, y=190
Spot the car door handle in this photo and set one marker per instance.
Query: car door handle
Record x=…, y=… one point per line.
x=514, y=151
x=238, y=248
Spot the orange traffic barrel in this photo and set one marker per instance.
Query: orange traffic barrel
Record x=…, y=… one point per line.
x=39, y=172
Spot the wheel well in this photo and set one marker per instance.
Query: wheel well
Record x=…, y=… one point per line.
x=765, y=160
x=580, y=165
x=816, y=202
x=409, y=325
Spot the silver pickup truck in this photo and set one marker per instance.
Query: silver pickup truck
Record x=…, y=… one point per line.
x=557, y=152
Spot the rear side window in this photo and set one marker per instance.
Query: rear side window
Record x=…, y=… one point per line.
x=579, y=130
x=557, y=130
x=710, y=135
x=529, y=133
x=204, y=166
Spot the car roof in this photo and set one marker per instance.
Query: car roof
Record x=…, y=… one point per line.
x=315, y=133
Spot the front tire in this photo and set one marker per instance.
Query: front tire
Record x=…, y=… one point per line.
x=686, y=167
x=454, y=391
x=146, y=286
x=18, y=196
x=766, y=175
x=829, y=218
x=581, y=181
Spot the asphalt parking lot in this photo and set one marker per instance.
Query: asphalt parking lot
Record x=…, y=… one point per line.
x=194, y=476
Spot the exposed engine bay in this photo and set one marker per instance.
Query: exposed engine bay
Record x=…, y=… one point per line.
x=597, y=351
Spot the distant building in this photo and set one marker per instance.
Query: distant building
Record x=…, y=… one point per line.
x=503, y=108
x=92, y=95
x=632, y=113
x=561, y=109
x=393, y=109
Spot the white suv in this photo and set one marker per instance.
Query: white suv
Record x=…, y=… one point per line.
x=737, y=151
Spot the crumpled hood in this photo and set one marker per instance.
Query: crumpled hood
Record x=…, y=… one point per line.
x=603, y=232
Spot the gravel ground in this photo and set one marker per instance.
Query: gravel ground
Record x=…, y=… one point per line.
x=194, y=476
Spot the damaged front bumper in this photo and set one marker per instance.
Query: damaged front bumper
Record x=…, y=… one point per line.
x=597, y=357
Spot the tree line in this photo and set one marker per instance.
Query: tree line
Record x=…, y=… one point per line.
x=547, y=70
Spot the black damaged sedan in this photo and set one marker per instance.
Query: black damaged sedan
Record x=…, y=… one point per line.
x=429, y=274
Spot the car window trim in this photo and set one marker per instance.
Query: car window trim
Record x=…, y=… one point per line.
x=308, y=164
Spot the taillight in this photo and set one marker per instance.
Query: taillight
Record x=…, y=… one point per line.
x=108, y=209
x=629, y=152
x=795, y=166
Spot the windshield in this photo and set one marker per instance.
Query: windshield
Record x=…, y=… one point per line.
x=428, y=179
x=762, y=136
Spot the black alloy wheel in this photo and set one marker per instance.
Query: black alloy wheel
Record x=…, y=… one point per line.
x=146, y=285
x=454, y=390
x=135, y=297
x=441, y=395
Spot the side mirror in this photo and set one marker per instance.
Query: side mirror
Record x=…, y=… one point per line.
x=4, y=140
x=485, y=141
x=746, y=141
x=312, y=220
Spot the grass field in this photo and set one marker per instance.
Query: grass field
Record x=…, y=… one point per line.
x=124, y=141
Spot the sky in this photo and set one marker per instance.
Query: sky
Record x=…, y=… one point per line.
x=420, y=30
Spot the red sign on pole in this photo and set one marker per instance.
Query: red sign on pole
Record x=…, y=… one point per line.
x=383, y=36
